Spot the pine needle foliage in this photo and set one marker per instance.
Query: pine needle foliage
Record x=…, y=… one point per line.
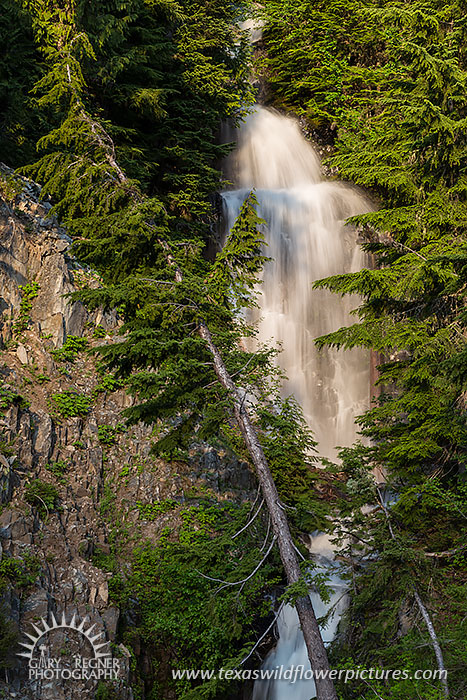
x=19, y=70
x=150, y=81
x=384, y=83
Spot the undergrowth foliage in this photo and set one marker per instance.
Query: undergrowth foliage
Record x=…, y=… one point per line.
x=29, y=292
x=177, y=599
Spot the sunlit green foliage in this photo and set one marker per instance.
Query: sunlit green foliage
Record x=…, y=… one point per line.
x=186, y=612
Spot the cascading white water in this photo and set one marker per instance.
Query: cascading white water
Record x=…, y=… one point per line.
x=290, y=650
x=307, y=240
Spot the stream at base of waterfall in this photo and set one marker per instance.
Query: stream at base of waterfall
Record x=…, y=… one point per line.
x=306, y=241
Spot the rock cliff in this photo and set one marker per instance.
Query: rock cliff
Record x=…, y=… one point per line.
x=69, y=466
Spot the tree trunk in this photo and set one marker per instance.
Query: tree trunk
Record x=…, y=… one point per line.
x=426, y=617
x=316, y=651
x=434, y=641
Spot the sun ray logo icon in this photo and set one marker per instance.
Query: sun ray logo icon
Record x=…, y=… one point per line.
x=93, y=639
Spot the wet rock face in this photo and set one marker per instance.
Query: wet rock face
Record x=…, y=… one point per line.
x=68, y=482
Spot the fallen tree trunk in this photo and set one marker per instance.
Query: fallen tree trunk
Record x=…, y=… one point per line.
x=325, y=689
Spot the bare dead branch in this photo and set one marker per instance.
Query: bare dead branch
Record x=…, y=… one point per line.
x=250, y=521
x=263, y=635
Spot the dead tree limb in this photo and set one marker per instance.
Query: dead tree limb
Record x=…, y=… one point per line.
x=434, y=641
x=325, y=689
x=276, y=616
x=424, y=612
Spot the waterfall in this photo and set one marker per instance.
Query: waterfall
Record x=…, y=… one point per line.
x=307, y=240
x=290, y=649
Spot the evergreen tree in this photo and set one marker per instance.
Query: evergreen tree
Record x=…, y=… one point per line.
x=385, y=83
x=19, y=69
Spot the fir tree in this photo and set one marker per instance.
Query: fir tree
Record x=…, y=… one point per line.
x=385, y=83
x=19, y=69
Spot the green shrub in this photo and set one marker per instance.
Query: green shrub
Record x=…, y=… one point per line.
x=42, y=378
x=6, y=448
x=107, y=504
x=151, y=511
x=19, y=572
x=30, y=292
x=70, y=349
x=105, y=561
x=42, y=496
x=58, y=469
x=10, y=187
x=70, y=404
x=99, y=332
x=8, y=398
x=109, y=383
x=108, y=435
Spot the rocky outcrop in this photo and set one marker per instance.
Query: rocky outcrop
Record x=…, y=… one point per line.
x=69, y=466
x=33, y=247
